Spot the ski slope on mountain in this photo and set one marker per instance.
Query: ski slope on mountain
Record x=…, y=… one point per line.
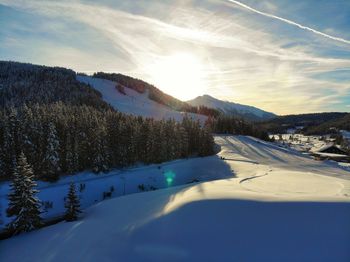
x=280, y=206
x=133, y=102
x=231, y=108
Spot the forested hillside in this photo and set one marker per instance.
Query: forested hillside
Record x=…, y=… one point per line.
x=63, y=126
x=30, y=84
x=342, y=123
x=282, y=123
x=59, y=138
x=155, y=94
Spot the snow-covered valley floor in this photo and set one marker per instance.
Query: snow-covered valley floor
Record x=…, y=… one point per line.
x=279, y=206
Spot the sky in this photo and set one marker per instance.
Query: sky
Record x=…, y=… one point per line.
x=283, y=56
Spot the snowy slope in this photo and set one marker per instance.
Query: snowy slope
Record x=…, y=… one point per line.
x=281, y=206
x=231, y=108
x=125, y=181
x=133, y=102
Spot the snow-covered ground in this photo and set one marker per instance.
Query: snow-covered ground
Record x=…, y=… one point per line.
x=122, y=182
x=310, y=144
x=133, y=102
x=301, y=142
x=280, y=206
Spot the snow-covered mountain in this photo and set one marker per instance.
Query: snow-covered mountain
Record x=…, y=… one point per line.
x=227, y=107
x=132, y=102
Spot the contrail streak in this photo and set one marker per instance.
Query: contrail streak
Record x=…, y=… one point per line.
x=290, y=22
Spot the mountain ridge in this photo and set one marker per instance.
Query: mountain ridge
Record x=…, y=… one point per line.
x=311, y=123
x=232, y=108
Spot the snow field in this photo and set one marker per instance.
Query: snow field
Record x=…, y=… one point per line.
x=122, y=182
x=133, y=102
x=280, y=206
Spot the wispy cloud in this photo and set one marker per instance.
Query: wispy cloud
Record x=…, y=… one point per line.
x=290, y=22
x=242, y=60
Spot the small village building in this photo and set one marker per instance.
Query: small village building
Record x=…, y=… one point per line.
x=330, y=151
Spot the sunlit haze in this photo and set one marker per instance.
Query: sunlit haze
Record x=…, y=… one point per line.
x=180, y=75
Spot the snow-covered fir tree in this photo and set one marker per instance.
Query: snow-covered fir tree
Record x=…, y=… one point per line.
x=28, y=133
x=24, y=207
x=8, y=147
x=100, y=158
x=72, y=204
x=71, y=155
x=51, y=166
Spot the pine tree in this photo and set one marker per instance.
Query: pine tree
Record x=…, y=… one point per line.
x=71, y=155
x=28, y=129
x=3, y=173
x=23, y=205
x=101, y=156
x=8, y=153
x=72, y=204
x=206, y=146
x=182, y=142
x=51, y=160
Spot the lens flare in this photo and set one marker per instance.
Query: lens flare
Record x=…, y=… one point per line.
x=169, y=177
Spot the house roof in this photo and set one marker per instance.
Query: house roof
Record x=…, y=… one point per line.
x=322, y=147
x=325, y=147
x=331, y=155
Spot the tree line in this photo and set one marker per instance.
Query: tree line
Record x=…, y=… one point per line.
x=226, y=124
x=61, y=138
x=316, y=123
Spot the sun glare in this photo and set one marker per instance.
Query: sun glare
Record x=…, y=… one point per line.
x=179, y=75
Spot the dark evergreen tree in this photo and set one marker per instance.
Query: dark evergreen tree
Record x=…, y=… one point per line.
x=206, y=142
x=51, y=166
x=72, y=204
x=182, y=141
x=23, y=205
x=71, y=155
x=8, y=147
x=100, y=152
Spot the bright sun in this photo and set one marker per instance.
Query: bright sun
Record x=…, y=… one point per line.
x=179, y=75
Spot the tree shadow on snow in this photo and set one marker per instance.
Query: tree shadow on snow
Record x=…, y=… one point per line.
x=241, y=230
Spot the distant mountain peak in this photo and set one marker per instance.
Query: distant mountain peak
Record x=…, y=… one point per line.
x=207, y=96
x=228, y=107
